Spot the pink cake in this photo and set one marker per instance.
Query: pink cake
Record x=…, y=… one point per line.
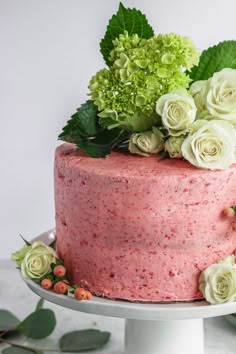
x=137, y=228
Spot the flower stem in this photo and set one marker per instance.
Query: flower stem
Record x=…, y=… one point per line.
x=34, y=350
x=5, y=332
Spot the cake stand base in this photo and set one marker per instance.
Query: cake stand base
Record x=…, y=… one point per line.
x=164, y=337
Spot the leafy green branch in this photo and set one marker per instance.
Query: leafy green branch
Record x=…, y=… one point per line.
x=40, y=324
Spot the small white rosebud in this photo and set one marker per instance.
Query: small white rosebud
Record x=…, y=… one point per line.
x=173, y=146
x=147, y=143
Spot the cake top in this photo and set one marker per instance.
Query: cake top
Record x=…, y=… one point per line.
x=159, y=96
x=126, y=165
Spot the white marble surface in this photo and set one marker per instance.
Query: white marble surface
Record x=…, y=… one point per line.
x=220, y=338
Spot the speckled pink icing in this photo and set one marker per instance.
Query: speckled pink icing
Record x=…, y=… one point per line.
x=140, y=228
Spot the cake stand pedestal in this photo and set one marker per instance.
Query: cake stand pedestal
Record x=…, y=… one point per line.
x=164, y=337
x=150, y=328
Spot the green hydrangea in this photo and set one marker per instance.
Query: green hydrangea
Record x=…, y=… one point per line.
x=124, y=43
x=142, y=70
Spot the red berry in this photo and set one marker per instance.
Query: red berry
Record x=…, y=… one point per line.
x=80, y=294
x=229, y=213
x=59, y=271
x=46, y=284
x=88, y=295
x=60, y=287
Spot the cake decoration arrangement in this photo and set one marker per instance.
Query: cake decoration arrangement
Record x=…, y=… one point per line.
x=40, y=263
x=158, y=95
x=145, y=185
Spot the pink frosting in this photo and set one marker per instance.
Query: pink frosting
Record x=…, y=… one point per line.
x=140, y=228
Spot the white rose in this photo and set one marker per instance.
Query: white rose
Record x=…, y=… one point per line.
x=173, y=146
x=199, y=90
x=146, y=143
x=210, y=144
x=37, y=261
x=218, y=281
x=177, y=110
x=221, y=96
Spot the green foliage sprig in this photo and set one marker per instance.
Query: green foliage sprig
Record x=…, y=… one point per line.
x=40, y=324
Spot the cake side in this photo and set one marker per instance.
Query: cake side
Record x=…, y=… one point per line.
x=140, y=228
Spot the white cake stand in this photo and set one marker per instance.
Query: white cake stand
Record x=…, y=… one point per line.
x=150, y=328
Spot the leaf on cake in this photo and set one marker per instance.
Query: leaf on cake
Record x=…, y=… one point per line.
x=83, y=124
x=83, y=129
x=216, y=58
x=103, y=143
x=130, y=20
x=25, y=241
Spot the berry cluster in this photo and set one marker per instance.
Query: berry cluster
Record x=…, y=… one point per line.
x=58, y=282
x=230, y=213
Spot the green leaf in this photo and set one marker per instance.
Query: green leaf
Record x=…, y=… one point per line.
x=83, y=124
x=53, y=244
x=88, y=119
x=130, y=20
x=17, y=350
x=103, y=143
x=231, y=319
x=214, y=59
x=38, y=324
x=39, y=304
x=95, y=150
x=84, y=130
x=8, y=321
x=79, y=341
x=26, y=242
x=60, y=262
x=53, y=265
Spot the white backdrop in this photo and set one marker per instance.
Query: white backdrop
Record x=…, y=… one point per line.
x=49, y=51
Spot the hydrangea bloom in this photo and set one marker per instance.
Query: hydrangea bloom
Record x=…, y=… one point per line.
x=142, y=70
